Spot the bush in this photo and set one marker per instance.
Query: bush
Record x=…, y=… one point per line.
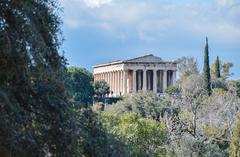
x=219, y=83
x=196, y=147
x=218, y=91
x=98, y=107
x=142, y=136
x=172, y=90
x=235, y=142
x=147, y=104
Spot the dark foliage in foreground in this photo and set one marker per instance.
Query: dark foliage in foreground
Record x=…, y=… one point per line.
x=35, y=113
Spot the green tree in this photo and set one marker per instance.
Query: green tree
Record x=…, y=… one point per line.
x=196, y=147
x=101, y=89
x=206, y=70
x=142, y=136
x=216, y=68
x=235, y=142
x=221, y=70
x=93, y=140
x=187, y=66
x=226, y=70
x=81, y=85
x=35, y=113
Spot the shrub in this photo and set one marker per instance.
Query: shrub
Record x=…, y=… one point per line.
x=172, y=90
x=143, y=137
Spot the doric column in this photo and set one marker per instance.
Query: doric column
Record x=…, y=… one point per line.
x=124, y=82
x=144, y=80
x=139, y=80
x=174, y=78
x=128, y=83
x=108, y=75
x=119, y=82
x=110, y=82
x=164, y=79
x=155, y=81
x=114, y=83
x=134, y=80
x=105, y=76
x=148, y=81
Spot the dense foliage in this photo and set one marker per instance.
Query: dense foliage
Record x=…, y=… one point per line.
x=81, y=82
x=101, y=89
x=143, y=137
x=34, y=118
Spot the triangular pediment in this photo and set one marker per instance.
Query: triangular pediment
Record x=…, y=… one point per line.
x=147, y=58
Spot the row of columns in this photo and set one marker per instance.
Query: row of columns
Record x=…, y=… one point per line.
x=125, y=81
x=146, y=80
x=117, y=81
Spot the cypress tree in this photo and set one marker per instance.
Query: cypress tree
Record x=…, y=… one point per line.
x=217, y=68
x=206, y=70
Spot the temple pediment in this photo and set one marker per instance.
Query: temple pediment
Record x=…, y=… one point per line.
x=143, y=59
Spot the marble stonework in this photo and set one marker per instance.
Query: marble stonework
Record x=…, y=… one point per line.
x=145, y=73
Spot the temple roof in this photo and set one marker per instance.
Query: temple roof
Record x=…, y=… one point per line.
x=141, y=59
x=146, y=58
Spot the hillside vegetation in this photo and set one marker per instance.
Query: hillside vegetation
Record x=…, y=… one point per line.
x=47, y=110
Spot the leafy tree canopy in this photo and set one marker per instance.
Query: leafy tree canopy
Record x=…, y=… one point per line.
x=187, y=66
x=142, y=136
x=147, y=104
x=35, y=113
x=101, y=88
x=81, y=84
x=226, y=67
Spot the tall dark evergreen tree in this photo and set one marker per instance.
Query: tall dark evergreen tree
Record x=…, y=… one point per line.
x=206, y=70
x=217, y=68
x=34, y=119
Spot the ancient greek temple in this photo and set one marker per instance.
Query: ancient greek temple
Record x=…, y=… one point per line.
x=145, y=73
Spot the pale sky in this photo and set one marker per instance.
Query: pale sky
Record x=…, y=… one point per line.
x=98, y=31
